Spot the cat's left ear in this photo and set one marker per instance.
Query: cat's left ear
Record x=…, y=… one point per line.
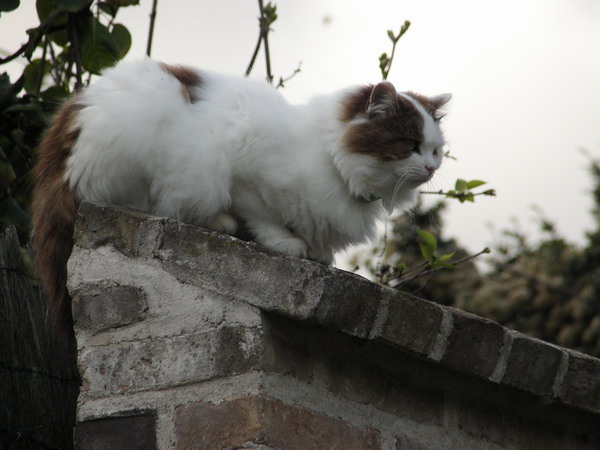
x=438, y=102
x=383, y=100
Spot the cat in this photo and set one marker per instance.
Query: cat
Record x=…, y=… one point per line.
x=223, y=152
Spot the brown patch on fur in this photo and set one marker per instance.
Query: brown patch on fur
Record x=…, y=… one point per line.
x=356, y=103
x=188, y=78
x=54, y=209
x=390, y=137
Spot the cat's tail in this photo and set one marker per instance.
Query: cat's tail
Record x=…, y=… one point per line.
x=54, y=209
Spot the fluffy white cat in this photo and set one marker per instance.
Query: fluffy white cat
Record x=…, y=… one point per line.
x=224, y=152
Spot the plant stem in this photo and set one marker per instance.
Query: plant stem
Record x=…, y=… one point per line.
x=264, y=31
x=151, y=30
x=262, y=39
x=254, y=55
x=76, y=52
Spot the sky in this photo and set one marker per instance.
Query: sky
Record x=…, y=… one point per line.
x=524, y=75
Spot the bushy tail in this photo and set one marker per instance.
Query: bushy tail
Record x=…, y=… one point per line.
x=54, y=209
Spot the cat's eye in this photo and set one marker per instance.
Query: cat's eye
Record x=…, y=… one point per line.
x=413, y=144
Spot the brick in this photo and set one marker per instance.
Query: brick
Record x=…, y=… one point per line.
x=532, y=365
x=163, y=362
x=101, y=306
x=473, y=345
x=348, y=303
x=581, y=384
x=244, y=271
x=117, y=433
x=102, y=225
x=412, y=324
x=265, y=421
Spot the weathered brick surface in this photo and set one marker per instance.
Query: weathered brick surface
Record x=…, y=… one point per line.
x=581, y=384
x=411, y=323
x=474, y=344
x=117, y=433
x=101, y=306
x=151, y=364
x=265, y=421
x=360, y=300
x=532, y=365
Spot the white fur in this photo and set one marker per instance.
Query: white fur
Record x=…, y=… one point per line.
x=240, y=153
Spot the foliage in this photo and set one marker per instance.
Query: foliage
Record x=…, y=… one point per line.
x=385, y=61
x=74, y=40
x=549, y=289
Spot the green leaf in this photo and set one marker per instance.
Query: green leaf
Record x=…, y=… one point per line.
x=270, y=12
x=44, y=7
x=390, y=34
x=383, y=62
x=469, y=197
x=427, y=238
x=25, y=107
x=475, y=183
x=404, y=28
x=72, y=5
x=99, y=49
x=33, y=77
x=427, y=252
x=122, y=38
x=461, y=185
x=108, y=8
x=9, y=5
x=55, y=94
x=427, y=244
x=118, y=3
x=446, y=257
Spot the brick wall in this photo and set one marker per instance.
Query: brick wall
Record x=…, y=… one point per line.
x=189, y=339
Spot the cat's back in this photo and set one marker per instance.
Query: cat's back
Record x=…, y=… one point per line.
x=153, y=94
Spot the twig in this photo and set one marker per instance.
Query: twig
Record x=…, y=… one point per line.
x=385, y=70
x=262, y=39
x=264, y=31
x=282, y=80
x=72, y=31
x=430, y=270
x=254, y=55
x=151, y=31
x=16, y=54
x=459, y=195
x=40, y=75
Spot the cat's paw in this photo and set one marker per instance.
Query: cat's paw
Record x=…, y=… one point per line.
x=290, y=245
x=223, y=223
x=323, y=257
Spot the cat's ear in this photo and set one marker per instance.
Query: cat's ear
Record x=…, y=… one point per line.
x=438, y=102
x=383, y=100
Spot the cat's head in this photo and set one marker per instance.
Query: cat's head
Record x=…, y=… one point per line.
x=392, y=139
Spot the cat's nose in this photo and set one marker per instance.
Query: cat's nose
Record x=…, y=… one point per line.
x=430, y=169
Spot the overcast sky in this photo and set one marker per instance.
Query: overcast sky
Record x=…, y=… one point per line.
x=524, y=74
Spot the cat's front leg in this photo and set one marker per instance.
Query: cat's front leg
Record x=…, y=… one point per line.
x=279, y=238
